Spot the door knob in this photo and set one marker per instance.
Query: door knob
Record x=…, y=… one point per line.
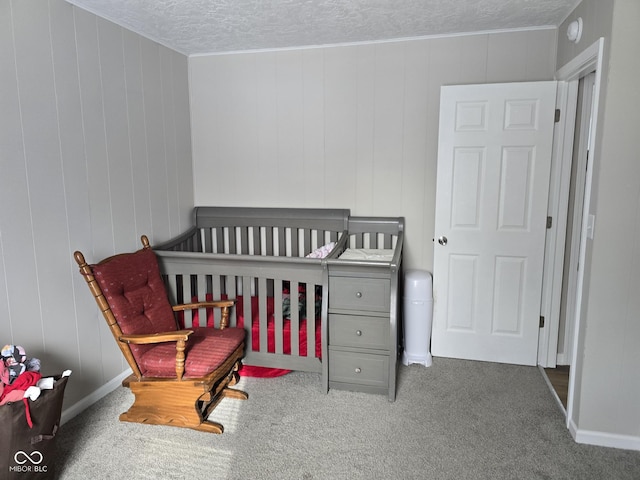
x=442, y=240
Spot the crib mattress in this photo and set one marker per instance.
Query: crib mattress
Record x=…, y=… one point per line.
x=379, y=254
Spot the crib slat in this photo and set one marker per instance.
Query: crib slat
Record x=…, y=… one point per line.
x=215, y=286
x=214, y=234
x=198, y=241
x=192, y=244
x=307, y=244
x=282, y=242
x=257, y=244
x=294, y=325
x=311, y=321
x=321, y=238
x=228, y=287
x=293, y=241
x=244, y=240
x=262, y=310
x=233, y=244
x=208, y=240
x=269, y=240
x=278, y=323
x=359, y=243
x=184, y=296
x=198, y=292
x=247, y=313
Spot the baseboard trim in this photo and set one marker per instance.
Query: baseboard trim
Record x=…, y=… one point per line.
x=603, y=439
x=86, y=402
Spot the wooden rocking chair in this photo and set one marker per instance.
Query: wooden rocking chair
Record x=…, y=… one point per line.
x=179, y=376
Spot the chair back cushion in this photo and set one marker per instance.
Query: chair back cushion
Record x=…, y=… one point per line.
x=136, y=293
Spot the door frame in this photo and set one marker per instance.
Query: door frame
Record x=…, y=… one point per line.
x=590, y=60
x=579, y=171
x=557, y=209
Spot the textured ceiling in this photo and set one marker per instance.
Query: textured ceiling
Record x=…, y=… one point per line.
x=216, y=26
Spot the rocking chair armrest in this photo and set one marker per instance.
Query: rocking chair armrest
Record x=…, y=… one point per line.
x=224, y=305
x=206, y=304
x=180, y=338
x=160, y=337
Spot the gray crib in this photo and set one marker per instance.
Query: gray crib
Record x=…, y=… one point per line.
x=317, y=290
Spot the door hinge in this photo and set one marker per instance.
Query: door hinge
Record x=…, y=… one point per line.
x=549, y=222
x=541, y=322
x=557, y=119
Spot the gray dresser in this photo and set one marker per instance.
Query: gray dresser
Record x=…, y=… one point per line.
x=363, y=308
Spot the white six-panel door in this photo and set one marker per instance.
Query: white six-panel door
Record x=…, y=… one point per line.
x=494, y=158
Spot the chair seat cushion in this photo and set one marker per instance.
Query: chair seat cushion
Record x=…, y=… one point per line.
x=206, y=350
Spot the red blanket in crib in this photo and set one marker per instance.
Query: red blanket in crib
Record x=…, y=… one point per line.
x=266, y=372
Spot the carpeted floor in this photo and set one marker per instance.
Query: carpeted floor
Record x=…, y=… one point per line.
x=455, y=420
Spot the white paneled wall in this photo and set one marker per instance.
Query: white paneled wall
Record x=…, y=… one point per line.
x=95, y=150
x=348, y=126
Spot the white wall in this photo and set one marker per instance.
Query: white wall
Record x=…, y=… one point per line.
x=607, y=378
x=347, y=126
x=94, y=151
x=596, y=17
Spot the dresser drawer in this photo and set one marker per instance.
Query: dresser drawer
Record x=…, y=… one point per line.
x=363, y=294
x=358, y=368
x=359, y=331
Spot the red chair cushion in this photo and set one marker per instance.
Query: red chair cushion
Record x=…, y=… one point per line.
x=206, y=350
x=135, y=291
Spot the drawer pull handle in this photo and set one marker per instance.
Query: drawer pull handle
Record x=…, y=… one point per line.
x=358, y=370
x=359, y=333
x=359, y=294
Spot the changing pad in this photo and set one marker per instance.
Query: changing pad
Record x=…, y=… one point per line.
x=380, y=254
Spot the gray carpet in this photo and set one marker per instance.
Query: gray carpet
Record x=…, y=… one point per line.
x=455, y=420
